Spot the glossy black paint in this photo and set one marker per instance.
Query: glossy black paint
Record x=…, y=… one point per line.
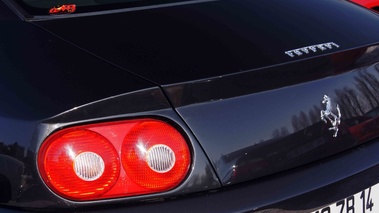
x=254, y=124
x=47, y=84
x=215, y=70
x=270, y=78
x=6, y=13
x=217, y=52
x=196, y=41
x=41, y=75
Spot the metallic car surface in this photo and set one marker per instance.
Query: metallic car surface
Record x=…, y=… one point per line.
x=242, y=80
x=190, y=53
x=269, y=140
x=197, y=41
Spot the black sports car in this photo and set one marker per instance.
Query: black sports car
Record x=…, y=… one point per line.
x=189, y=106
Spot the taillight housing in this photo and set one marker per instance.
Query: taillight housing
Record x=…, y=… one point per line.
x=114, y=159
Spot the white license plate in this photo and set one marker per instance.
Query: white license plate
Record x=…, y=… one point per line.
x=365, y=201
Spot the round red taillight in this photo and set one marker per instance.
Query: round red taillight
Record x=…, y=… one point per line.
x=155, y=155
x=84, y=163
x=76, y=167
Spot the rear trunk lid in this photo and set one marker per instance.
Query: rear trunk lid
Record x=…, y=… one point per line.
x=265, y=121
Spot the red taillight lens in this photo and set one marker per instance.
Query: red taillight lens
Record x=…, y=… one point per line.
x=61, y=157
x=84, y=163
x=155, y=156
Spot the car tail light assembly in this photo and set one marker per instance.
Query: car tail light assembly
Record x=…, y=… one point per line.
x=114, y=159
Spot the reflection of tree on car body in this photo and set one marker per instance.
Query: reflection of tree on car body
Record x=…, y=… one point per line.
x=367, y=126
x=11, y=171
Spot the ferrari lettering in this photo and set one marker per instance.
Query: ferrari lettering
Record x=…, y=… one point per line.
x=313, y=48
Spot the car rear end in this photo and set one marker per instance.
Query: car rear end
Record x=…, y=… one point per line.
x=273, y=101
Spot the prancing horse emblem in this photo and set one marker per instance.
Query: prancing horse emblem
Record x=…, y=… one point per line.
x=328, y=115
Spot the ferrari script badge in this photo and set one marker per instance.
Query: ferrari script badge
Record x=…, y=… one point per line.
x=312, y=48
x=328, y=115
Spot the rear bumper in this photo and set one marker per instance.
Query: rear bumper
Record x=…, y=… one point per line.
x=301, y=190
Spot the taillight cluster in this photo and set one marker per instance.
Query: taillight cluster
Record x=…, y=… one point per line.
x=114, y=159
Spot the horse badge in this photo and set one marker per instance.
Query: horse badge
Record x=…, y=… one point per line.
x=328, y=115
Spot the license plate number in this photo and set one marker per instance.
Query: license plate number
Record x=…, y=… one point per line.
x=365, y=201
